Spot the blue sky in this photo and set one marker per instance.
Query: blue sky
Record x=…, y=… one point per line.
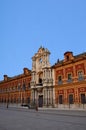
x=25, y=25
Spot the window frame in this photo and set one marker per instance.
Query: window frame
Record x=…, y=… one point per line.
x=59, y=79
x=81, y=75
x=83, y=100
x=69, y=77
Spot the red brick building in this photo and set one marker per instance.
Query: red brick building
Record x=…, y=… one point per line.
x=70, y=81
x=62, y=85
x=16, y=90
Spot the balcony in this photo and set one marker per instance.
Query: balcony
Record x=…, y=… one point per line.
x=47, y=82
x=39, y=85
x=33, y=84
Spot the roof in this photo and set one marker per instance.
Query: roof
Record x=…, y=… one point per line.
x=76, y=57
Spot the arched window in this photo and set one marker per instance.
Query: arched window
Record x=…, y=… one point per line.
x=40, y=81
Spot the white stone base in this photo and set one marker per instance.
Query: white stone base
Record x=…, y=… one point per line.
x=71, y=106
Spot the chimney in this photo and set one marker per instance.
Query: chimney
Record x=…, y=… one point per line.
x=68, y=56
x=26, y=71
x=5, y=77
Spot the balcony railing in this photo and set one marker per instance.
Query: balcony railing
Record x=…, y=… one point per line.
x=39, y=84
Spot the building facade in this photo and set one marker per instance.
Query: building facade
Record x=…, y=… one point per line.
x=42, y=79
x=62, y=85
x=16, y=90
x=70, y=81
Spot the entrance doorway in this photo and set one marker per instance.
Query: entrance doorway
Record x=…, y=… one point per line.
x=41, y=101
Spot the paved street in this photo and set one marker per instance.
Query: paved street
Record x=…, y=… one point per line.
x=26, y=119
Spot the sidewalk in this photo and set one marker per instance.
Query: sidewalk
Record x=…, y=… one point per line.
x=53, y=111
x=75, y=109
x=65, y=112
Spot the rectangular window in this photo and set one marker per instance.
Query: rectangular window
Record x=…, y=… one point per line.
x=69, y=77
x=60, y=99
